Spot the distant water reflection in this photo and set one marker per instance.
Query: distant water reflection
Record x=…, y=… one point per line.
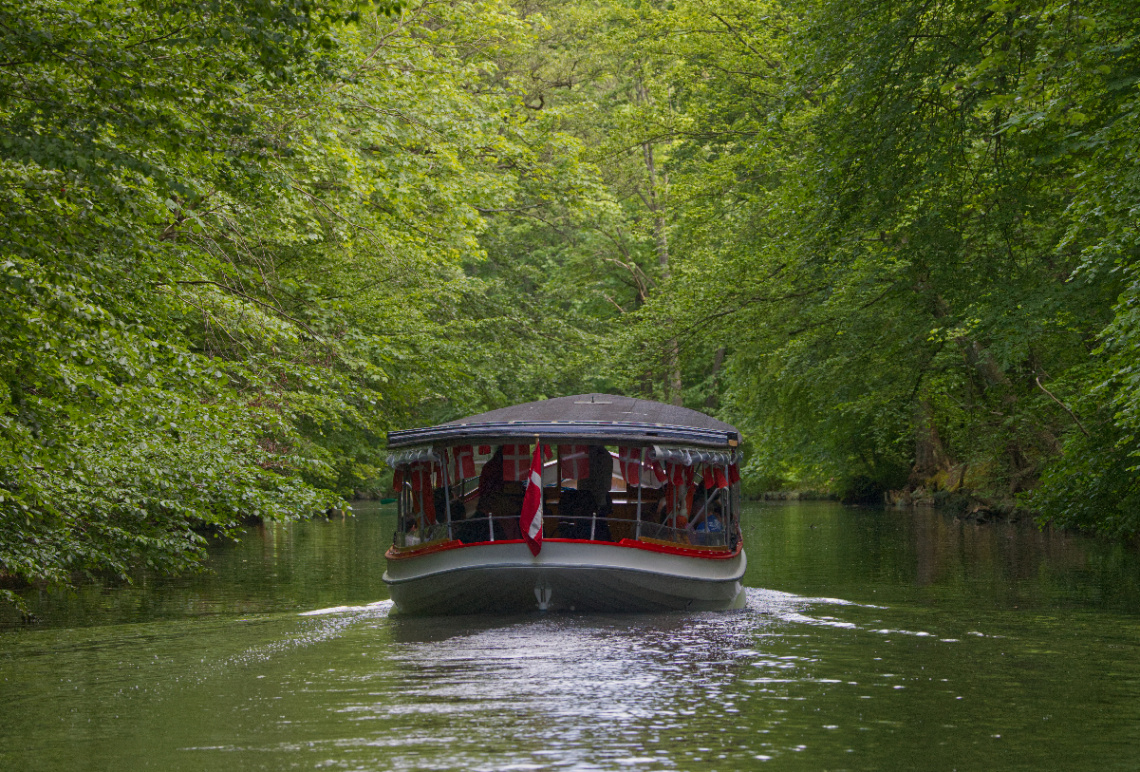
x=870, y=640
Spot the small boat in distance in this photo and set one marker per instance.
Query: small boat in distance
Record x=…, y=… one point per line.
x=639, y=508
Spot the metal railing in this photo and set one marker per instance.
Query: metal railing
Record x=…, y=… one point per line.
x=490, y=528
x=683, y=536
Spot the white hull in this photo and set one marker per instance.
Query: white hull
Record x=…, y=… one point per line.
x=565, y=576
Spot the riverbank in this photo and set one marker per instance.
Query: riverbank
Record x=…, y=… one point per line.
x=963, y=504
x=796, y=495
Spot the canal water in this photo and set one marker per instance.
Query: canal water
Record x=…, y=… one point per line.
x=871, y=640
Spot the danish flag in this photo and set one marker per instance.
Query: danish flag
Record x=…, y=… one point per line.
x=629, y=459
x=514, y=462
x=462, y=463
x=575, y=461
x=530, y=521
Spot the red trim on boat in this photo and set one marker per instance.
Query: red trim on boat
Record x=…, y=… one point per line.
x=426, y=549
x=688, y=552
x=670, y=550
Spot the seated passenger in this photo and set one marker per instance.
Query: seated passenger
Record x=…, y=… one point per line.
x=410, y=532
x=708, y=519
x=669, y=512
x=491, y=478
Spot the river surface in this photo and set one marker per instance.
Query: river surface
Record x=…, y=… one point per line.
x=871, y=640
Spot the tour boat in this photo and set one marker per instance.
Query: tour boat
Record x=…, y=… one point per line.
x=637, y=508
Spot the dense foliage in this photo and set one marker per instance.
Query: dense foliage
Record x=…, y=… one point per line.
x=895, y=242
x=902, y=241
x=233, y=249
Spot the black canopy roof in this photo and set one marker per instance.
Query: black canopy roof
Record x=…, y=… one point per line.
x=597, y=417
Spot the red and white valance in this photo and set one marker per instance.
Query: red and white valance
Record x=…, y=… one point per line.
x=714, y=477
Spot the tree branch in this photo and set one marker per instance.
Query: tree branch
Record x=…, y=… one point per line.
x=316, y=336
x=1062, y=404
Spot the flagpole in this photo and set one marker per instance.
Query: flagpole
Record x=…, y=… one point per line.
x=447, y=491
x=729, y=509
x=727, y=504
x=490, y=519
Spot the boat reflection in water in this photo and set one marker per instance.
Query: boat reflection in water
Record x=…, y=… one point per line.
x=639, y=508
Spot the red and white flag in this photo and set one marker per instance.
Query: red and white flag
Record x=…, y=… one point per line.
x=629, y=459
x=575, y=460
x=462, y=463
x=530, y=521
x=515, y=458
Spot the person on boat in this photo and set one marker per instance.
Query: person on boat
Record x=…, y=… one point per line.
x=671, y=507
x=583, y=510
x=410, y=530
x=600, y=479
x=576, y=513
x=491, y=478
x=708, y=518
x=498, y=499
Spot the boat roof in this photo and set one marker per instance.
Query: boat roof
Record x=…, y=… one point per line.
x=590, y=417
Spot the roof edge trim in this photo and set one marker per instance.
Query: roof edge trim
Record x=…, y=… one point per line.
x=613, y=431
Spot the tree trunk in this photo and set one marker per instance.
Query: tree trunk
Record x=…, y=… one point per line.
x=929, y=455
x=656, y=207
x=718, y=362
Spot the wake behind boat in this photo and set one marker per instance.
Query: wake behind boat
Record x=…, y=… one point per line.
x=633, y=506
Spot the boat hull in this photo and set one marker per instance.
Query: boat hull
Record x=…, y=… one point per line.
x=566, y=575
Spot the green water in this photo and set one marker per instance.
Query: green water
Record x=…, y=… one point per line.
x=872, y=640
